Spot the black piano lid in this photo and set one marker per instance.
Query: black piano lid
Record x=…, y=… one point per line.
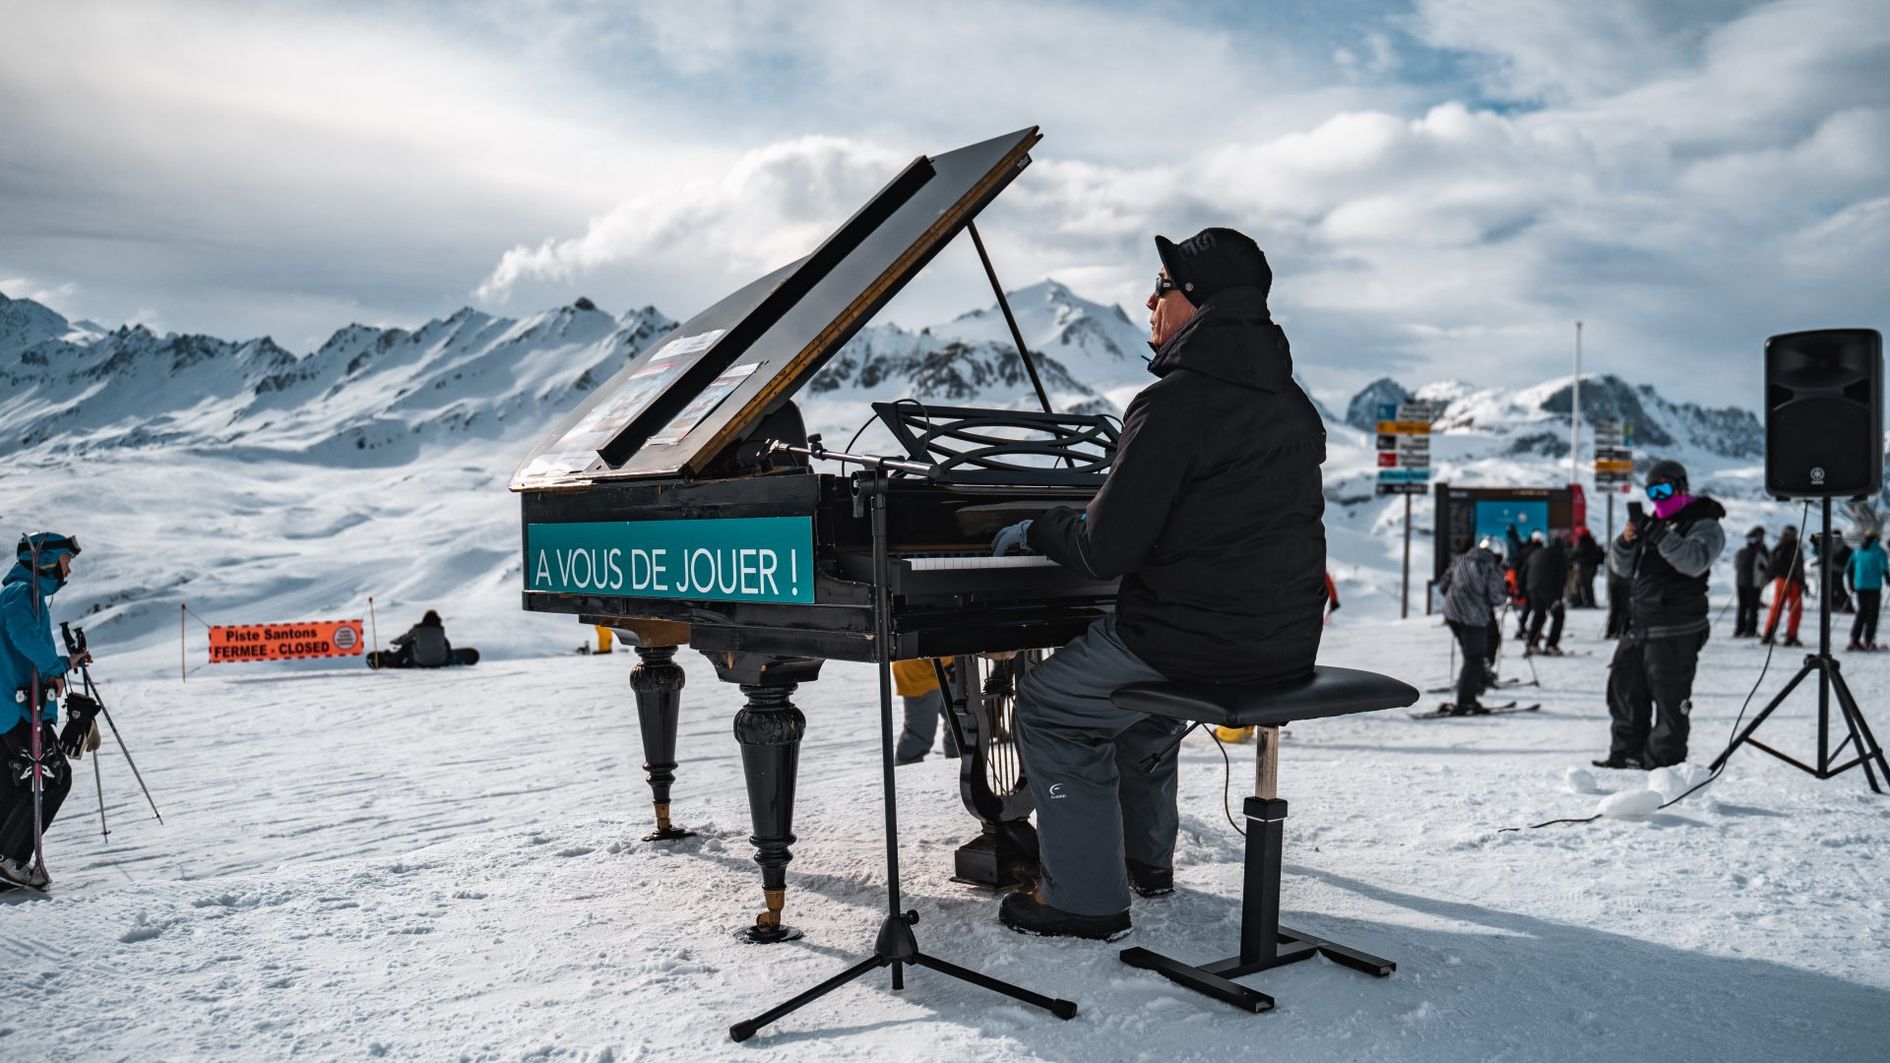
x=678, y=405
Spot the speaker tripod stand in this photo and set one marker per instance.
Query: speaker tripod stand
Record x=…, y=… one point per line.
x=1830, y=682
x=897, y=946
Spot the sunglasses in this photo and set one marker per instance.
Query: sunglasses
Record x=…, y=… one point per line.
x=1660, y=492
x=1164, y=285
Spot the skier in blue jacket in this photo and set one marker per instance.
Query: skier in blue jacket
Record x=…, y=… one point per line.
x=1865, y=572
x=29, y=658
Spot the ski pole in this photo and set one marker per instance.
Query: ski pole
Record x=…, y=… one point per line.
x=91, y=690
x=120, y=739
x=98, y=779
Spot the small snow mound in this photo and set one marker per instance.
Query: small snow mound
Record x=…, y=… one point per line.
x=1579, y=781
x=1629, y=804
x=1670, y=782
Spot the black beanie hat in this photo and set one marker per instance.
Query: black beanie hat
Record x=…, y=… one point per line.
x=1213, y=259
x=1669, y=471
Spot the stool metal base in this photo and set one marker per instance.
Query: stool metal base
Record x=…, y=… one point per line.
x=1217, y=979
x=1264, y=943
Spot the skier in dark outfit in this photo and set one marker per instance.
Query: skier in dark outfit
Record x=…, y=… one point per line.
x=1211, y=516
x=1588, y=556
x=1473, y=590
x=1543, y=581
x=1751, y=566
x=1520, y=551
x=1666, y=558
x=27, y=653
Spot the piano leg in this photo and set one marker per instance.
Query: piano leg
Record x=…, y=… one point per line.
x=769, y=729
x=658, y=682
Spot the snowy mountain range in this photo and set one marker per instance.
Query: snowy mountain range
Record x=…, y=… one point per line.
x=377, y=463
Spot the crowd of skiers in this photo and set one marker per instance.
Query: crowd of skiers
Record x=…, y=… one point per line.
x=1856, y=584
x=1657, y=591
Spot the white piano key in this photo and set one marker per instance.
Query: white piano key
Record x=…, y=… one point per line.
x=970, y=561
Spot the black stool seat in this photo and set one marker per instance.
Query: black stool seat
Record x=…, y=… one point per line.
x=1327, y=692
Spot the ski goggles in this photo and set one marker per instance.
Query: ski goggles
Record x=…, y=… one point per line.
x=48, y=548
x=1661, y=492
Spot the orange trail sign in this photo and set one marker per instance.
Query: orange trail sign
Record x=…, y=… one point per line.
x=235, y=643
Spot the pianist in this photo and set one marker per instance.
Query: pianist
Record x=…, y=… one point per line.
x=1211, y=517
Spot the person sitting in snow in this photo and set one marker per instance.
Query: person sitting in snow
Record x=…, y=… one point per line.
x=424, y=645
x=1211, y=517
x=31, y=664
x=1666, y=559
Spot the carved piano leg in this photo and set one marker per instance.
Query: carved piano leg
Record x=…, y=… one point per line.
x=769, y=729
x=658, y=682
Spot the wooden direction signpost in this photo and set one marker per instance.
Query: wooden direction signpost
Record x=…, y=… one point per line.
x=1404, y=466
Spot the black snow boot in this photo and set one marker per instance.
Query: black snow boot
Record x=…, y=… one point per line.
x=1615, y=760
x=1027, y=914
x=1149, y=881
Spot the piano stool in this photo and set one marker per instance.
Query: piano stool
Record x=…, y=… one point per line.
x=1264, y=943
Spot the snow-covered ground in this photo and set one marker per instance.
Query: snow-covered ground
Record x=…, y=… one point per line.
x=447, y=866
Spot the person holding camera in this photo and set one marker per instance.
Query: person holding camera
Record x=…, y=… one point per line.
x=31, y=667
x=1665, y=559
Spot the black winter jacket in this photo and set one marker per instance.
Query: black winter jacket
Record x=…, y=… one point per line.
x=1751, y=566
x=1212, y=512
x=427, y=643
x=1788, y=559
x=1670, y=577
x=1546, y=575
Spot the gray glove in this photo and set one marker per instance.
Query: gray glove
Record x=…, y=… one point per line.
x=1012, y=540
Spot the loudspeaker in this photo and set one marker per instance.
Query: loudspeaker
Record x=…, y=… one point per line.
x=1824, y=413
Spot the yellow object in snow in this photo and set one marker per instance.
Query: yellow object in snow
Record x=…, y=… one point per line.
x=604, y=638
x=916, y=678
x=1233, y=734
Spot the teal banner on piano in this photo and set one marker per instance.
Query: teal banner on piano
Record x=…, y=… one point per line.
x=727, y=559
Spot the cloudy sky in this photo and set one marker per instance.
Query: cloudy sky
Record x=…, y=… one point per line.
x=1444, y=186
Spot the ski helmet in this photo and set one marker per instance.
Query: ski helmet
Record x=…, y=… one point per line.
x=1757, y=533
x=47, y=548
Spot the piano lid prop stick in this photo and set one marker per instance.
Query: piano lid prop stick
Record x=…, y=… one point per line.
x=1004, y=304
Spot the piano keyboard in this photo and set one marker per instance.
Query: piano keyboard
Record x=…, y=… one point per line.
x=965, y=562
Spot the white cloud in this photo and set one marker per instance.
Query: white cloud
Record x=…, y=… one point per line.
x=773, y=206
x=57, y=296
x=1689, y=174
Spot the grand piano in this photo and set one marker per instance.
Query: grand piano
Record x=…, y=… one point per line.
x=670, y=508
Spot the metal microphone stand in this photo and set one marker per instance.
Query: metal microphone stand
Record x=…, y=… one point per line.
x=896, y=945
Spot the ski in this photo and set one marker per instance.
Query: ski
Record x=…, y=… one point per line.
x=1445, y=713
x=1452, y=688
x=7, y=885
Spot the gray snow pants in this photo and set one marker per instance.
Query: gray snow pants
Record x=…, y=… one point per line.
x=1095, y=804
x=921, y=728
